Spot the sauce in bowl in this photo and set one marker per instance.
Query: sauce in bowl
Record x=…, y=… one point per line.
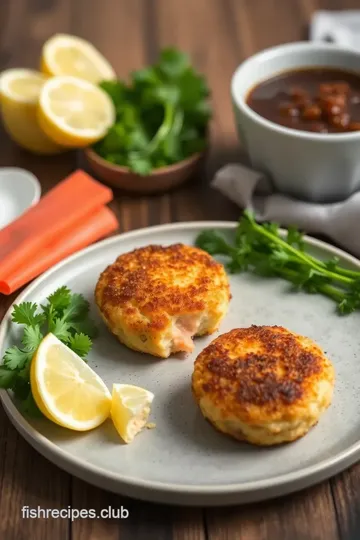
x=319, y=99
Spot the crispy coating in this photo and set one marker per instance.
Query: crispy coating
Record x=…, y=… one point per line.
x=263, y=384
x=154, y=299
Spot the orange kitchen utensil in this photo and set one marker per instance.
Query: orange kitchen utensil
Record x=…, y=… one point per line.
x=69, y=217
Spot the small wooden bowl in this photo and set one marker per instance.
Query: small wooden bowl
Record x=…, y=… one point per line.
x=162, y=179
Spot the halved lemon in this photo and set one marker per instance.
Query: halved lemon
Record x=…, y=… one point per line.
x=74, y=112
x=19, y=93
x=64, y=54
x=130, y=409
x=66, y=389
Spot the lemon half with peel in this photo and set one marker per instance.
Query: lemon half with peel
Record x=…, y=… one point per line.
x=130, y=409
x=66, y=389
x=64, y=54
x=74, y=112
x=19, y=93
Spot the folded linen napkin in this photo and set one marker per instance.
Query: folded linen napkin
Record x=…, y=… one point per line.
x=252, y=190
x=68, y=218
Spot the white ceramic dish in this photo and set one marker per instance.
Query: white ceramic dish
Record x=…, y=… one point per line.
x=184, y=460
x=19, y=190
x=312, y=166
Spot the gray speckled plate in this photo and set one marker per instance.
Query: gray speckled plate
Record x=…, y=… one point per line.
x=184, y=460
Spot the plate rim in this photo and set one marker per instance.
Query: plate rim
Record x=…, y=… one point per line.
x=288, y=482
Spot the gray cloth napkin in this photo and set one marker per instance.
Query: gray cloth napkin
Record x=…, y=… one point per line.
x=340, y=27
x=252, y=190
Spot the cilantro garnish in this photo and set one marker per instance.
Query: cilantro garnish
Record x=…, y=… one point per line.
x=64, y=314
x=262, y=250
x=162, y=115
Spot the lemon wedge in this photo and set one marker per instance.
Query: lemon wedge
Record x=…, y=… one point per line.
x=19, y=94
x=66, y=389
x=64, y=54
x=130, y=409
x=74, y=112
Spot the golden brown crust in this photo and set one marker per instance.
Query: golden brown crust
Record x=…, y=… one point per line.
x=239, y=436
x=140, y=293
x=260, y=374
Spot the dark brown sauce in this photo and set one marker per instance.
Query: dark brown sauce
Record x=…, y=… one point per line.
x=319, y=99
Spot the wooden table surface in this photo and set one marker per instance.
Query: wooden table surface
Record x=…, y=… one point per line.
x=218, y=34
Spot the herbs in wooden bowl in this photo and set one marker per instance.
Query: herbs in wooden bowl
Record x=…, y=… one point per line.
x=161, y=127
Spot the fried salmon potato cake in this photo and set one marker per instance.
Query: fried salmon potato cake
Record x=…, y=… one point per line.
x=156, y=298
x=263, y=384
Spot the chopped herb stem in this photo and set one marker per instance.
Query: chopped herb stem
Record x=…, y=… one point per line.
x=300, y=255
x=260, y=249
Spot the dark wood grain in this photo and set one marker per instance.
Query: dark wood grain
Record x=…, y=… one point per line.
x=26, y=478
x=218, y=34
x=307, y=515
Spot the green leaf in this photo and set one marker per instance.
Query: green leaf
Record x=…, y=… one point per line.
x=60, y=299
x=29, y=407
x=26, y=313
x=295, y=238
x=21, y=384
x=272, y=227
x=139, y=164
x=116, y=90
x=81, y=344
x=332, y=263
x=115, y=139
x=67, y=316
x=213, y=242
x=138, y=139
x=349, y=304
x=165, y=94
x=173, y=63
x=15, y=358
x=87, y=326
x=7, y=377
x=78, y=308
x=117, y=158
x=278, y=258
x=194, y=92
x=162, y=115
x=146, y=76
x=32, y=338
x=60, y=329
x=48, y=311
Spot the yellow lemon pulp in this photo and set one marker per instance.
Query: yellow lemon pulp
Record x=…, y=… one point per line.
x=64, y=54
x=130, y=409
x=66, y=389
x=19, y=94
x=74, y=112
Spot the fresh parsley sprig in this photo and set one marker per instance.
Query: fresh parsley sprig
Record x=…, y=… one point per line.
x=162, y=115
x=261, y=249
x=64, y=314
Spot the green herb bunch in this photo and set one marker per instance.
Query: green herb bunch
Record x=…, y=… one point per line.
x=263, y=250
x=64, y=314
x=162, y=115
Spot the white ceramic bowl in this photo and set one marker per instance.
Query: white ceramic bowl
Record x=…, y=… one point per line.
x=19, y=190
x=311, y=166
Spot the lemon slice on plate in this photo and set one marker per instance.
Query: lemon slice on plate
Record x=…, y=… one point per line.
x=66, y=389
x=64, y=54
x=130, y=409
x=19, y=94
x=74, y=112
